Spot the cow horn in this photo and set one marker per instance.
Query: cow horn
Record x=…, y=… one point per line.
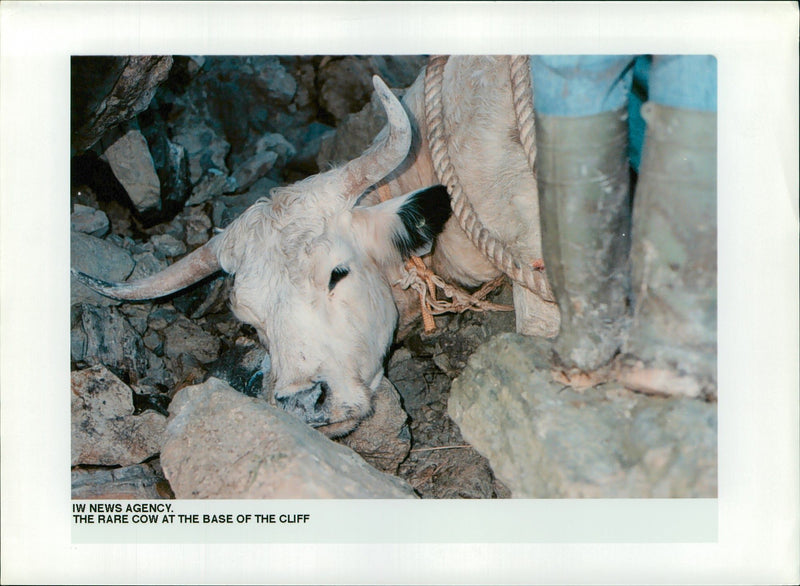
x=187, y=271
x=388, y=150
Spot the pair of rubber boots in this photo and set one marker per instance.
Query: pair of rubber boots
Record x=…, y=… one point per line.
x=636, y=288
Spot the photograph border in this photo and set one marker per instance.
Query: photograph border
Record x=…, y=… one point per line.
x=757, y=512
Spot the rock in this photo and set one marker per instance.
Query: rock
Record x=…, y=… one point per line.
x=345, y=86
x=196, y=225
x=227, y=208
x=354, y=133
x=174, y=177
x=126, y=243
x=239, y=365
x=303, y=70
x=168, y=245
x=213, y=184
x=544, y=440
x=183, y=336
x=206, y=148
x=137, y=314
x=171, y=162
x=157, y=373
x=104, y=337
x=152, y=341
x=109, y=90
x=242, y=98
x=305, y=161
x=276, y=143
x=89, y=221
x=384, y=439
x=222, y=444
x=130, y=160
x=195, y=64
x=409, y=377
x=147, y=264
x=141, y=481
x=454, y=473
x=398, y=71
x=104, y=430
x=346, y=83
x=254, y=169
x=98, y=258
x=187, y=370
x=161, y=317
x=210, y=296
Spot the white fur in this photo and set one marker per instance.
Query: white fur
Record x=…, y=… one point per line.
x=282, y=251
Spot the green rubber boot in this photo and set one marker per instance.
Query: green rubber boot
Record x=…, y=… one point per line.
x=584, y=202
x=671, y=347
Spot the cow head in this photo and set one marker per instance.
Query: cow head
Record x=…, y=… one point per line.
x=310, y=269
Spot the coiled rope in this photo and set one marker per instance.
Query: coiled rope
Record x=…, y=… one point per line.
x=529, y=275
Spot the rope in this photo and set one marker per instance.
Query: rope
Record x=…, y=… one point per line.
x=531, y=276
x=522, y=96
x=425, y=282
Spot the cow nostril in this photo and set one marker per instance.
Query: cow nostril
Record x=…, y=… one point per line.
x=307, y=404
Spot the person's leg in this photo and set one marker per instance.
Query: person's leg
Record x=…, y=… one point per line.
x=583, y=180
x=671, y=345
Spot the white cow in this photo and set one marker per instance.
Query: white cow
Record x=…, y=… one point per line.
x=314, y=267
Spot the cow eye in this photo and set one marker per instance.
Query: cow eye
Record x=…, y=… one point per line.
x=337, y=275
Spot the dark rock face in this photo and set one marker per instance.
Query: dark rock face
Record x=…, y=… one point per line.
x=109, y=90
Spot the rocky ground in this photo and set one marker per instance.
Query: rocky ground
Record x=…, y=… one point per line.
x=167, y=151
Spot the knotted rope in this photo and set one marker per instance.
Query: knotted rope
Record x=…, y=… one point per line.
x=425, y=282
x=529, y=275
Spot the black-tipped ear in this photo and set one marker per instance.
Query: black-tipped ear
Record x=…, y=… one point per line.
x=423, y=216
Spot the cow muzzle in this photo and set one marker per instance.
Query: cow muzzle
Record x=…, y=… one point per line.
x=308, y=404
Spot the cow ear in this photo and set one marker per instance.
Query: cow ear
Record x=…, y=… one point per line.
x=403, y=226
x=422, y=216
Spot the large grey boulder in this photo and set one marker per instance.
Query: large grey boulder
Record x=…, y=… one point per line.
x=545, y=440
x=222, y=444
x=105, y=432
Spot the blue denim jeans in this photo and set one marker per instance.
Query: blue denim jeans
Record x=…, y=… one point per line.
x=583, y=85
